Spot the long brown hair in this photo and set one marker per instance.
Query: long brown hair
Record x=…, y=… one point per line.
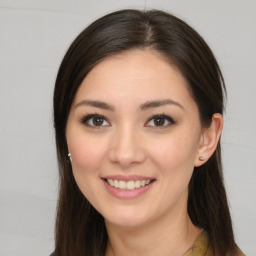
x=80, y=229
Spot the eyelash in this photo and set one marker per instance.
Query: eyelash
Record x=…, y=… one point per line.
x=85, y=120
x=162, y=116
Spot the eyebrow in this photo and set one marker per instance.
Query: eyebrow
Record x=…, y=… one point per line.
x=144, y=106
x=95, y=103
x=159, y=103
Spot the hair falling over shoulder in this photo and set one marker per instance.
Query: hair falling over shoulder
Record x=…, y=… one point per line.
x=80, y=229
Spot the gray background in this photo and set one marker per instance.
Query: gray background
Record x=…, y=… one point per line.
x=34, y=36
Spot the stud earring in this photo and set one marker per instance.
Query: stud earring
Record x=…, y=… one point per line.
x=201, y=158
x=69, y=156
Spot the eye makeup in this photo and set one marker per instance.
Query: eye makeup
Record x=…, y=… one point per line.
x=160, y=121
x=94, y=120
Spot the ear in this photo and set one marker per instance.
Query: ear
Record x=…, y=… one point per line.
x=209, y=140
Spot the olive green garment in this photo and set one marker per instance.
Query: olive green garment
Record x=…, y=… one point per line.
x=201, y=247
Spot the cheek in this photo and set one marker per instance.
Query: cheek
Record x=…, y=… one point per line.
x=175, y=153
x=87, y=160
x=87, y=154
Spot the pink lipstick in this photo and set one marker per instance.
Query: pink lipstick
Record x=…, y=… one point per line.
x=127, y=187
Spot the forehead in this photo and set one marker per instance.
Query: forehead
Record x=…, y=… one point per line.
x=134, y=74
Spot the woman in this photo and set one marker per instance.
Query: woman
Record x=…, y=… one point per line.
x=138, y=106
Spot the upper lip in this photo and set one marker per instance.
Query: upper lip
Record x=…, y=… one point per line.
x=127, y=177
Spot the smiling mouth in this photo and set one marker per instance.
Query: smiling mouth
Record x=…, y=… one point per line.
x=128, y=185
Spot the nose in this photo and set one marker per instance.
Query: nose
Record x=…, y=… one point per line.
x=126, y=148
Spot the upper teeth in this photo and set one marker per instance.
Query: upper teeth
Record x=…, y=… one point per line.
x=129, y=185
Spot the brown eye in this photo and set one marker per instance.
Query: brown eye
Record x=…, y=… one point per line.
x=95, y=120
x=160, y=121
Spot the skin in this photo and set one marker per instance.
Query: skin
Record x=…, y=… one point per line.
x=128, y=142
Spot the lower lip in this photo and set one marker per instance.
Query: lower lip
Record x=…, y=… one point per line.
x=127, y=194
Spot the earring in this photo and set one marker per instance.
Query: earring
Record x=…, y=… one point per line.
x=69, y=156
x=201, y=158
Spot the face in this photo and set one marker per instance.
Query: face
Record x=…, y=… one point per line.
x=134, y=133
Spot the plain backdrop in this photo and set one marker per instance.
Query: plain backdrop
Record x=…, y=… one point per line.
x=34, y=35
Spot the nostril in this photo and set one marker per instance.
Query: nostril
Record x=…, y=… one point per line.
x=126, y=156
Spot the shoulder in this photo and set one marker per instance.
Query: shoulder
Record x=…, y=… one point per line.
x=237, y=252
x=202, y=247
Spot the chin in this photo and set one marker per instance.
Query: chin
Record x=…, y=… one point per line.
x=126, y=222
x=127, y=218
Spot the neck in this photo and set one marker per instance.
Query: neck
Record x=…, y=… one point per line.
x=161, y=237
